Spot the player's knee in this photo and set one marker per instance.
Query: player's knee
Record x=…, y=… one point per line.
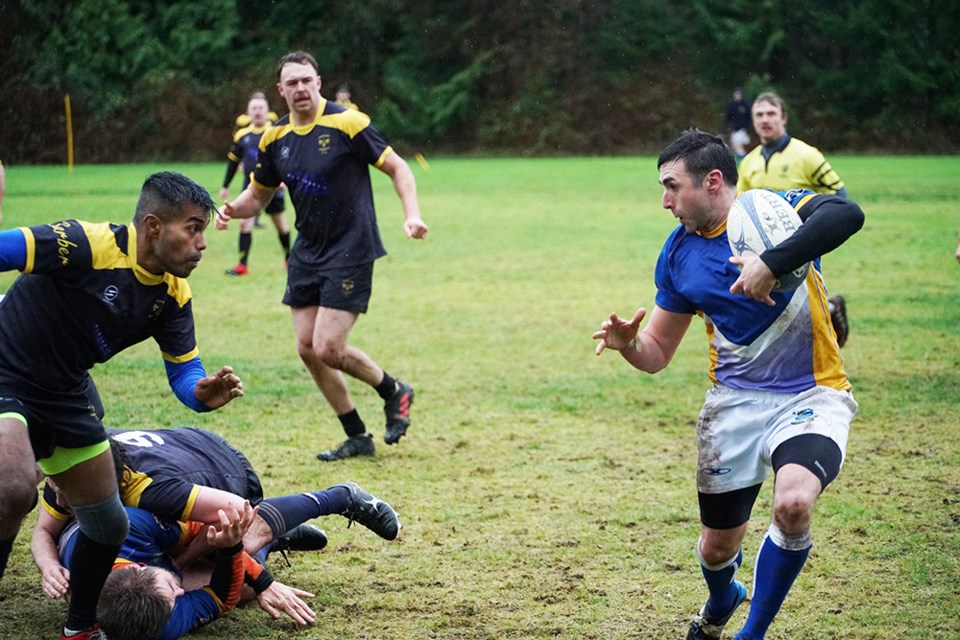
x=105, y=523
x=17, y=498
x=330, y=353
x=793, y=509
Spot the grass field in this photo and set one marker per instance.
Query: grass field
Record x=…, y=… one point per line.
x=545, y=492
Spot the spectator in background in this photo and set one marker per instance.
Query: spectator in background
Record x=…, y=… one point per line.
x=246, y=146
x=343, y=97
x=738, y=123
x=781, y=163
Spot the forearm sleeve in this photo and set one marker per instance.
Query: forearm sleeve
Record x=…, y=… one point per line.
x=13, y=250
x=828, y=221
x=227, y=577
x=183, y=378
x=231, y=171
x=257, y=575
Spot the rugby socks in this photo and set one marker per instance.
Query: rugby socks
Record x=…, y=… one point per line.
x=387, y=386
x=352, y=424
x=246, y=240
x=90, y=565
x=286, y=512
x=723, y=594
x=6, y=547
x=285, y=243
x=779, y=561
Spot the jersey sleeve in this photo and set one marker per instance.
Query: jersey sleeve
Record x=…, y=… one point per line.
x=370, y=145
x=168, y=497
x=668, y=298
x=828, y=221
x=175, y=332
x=57, y=249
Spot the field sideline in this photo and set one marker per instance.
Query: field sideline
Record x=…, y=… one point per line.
x=545, y=492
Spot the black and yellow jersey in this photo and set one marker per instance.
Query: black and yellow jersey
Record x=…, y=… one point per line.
x=793, y=164
x=325, y=166
x=245, y=148
x=81, y=299
x=167, y=467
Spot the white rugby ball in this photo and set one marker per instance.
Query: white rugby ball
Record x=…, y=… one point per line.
x=759, y=220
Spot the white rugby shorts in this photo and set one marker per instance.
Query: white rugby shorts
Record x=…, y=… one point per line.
x=738, y=431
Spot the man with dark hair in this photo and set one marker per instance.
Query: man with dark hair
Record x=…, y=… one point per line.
x=322, y=152
x=88, y=291
x=780, y=397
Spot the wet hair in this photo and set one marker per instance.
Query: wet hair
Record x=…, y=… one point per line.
x=701, y=153
x=164, y=194
x=772, y=98
x=131, y=606
x=121, y=460
x=298, y=57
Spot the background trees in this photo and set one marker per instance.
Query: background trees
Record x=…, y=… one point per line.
x=163, y=80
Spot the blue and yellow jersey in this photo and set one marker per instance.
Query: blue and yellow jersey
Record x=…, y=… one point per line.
x=788, y=348
x=794, y=164
x=83, y=298
x=325, y=166
x=168, y=467
x=148, y=543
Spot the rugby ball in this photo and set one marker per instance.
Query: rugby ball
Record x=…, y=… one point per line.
x=759, y=220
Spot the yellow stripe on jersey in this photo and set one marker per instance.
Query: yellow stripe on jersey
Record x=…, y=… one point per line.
x=31, y=249
x=350, y=122
x=62, y=517
x=383, y=156
x=134, y=484
x=190, y=355
x=827, y=360
x=191, y=502
x=103, y=246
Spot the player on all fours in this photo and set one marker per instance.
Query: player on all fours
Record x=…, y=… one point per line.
x=780, y=398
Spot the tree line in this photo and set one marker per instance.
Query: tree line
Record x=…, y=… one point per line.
x=152, y=80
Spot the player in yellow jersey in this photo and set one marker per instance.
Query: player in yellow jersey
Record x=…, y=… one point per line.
x=782, y=162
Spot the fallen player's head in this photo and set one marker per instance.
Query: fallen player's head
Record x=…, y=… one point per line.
x=137, y=601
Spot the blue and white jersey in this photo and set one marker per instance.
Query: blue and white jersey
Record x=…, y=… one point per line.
x=789, y=347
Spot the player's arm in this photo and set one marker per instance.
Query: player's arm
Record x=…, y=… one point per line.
x=828, y=221
x=649, y=350
x=55, y=578
x=13, y=250
x=249, y=203
x=232, y=163
x=194, y=388
x=406, y=186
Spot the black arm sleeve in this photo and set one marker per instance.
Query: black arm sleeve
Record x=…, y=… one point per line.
x=828, y=221
x=228, y=575
x=231, y=171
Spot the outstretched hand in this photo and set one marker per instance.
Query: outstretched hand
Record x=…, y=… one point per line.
x=224, y=215
x=756, y=280
x=218, y=389
x=233, y=524
x=279, y=598
x=618, y=334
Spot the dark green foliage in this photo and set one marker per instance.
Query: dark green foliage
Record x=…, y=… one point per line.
x=153, y=79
